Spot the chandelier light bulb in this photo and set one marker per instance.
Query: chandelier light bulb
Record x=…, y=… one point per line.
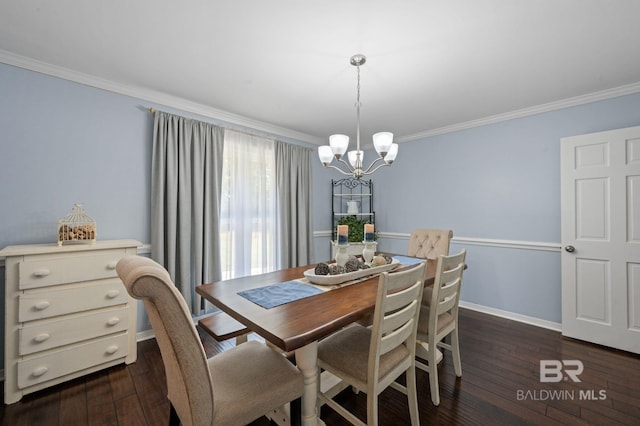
x=392, y=154
x=382, y=142
x=353, y=159
x=326, y=154
x=339, y=144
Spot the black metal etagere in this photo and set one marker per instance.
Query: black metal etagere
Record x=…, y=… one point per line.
x=350, y=190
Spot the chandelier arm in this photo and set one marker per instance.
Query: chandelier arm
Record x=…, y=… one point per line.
x=372, y=164
x=350, y=173
x=367, y=172
x=347, y=165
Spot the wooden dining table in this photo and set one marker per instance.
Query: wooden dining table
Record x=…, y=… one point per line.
x=298, y=326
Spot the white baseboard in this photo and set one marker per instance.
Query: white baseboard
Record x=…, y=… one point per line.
x=555, y=326
x=144, y=335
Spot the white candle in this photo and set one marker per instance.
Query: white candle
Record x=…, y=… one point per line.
x=368, y=232
x=343, y=234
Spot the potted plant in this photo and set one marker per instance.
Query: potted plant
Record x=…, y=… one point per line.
x=356, y=228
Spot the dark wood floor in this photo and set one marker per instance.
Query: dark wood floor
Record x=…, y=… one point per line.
x=500, y=386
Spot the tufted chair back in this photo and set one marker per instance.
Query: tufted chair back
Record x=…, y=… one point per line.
x=189, y=389
x=429, y=243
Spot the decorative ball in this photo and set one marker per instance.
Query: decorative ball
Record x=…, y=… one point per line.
x=322, y=269
x=352, y=265
x=378, y=261
x=335, y=269
x=388, y=258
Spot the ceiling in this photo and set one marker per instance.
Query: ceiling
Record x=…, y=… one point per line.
x=431, y=65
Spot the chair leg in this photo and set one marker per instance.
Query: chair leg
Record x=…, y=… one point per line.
x=174, y=420
x=433, y=375
x=455, y=352
x=372, y=409
x=412, y=395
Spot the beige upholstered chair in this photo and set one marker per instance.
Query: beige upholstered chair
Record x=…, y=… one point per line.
x=441, y=319
x=429, y=244
x=232, y=388
x=370, y=359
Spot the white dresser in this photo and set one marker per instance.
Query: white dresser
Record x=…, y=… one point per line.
x=67, y=313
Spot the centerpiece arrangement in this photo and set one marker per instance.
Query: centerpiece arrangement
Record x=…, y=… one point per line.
x=353, y=264
x=354, y=268
x=348, y=267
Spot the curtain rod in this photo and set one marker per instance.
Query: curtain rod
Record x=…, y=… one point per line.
x=153, y=110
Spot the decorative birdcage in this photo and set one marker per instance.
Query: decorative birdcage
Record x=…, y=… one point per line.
x=76, y=227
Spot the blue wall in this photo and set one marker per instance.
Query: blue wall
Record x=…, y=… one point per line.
x=64, y=143
x=498, y=182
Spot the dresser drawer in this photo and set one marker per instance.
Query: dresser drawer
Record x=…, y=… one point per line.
x=47, y=270
x=83, y=297
x=56, y=364
x=41, y=336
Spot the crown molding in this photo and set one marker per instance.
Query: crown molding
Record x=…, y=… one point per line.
x=153, y=96
x=615, y=92
x=160, y=98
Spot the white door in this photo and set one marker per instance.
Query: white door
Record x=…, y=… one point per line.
x=600, y=202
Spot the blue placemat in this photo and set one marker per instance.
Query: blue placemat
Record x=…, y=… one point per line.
x=279, y=294
x=408, y=261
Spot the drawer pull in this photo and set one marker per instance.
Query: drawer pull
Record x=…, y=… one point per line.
x=113, y=321
x=39, y=371
x=112, y=349
x=112, y=265
x=112, y=294
x=41, y=337
x=41, y=273
x=42, y=305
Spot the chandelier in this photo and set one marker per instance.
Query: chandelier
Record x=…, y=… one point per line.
x=338, y=144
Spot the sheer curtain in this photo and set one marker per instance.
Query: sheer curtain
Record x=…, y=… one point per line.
x=186, y=174
x=293, y=194
x=247, y=206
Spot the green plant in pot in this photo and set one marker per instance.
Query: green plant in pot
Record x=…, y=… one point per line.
x=356, y=228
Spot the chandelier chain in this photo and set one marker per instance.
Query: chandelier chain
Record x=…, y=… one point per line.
x=358, y=159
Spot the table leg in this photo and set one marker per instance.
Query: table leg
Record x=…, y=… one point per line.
x=307, y=362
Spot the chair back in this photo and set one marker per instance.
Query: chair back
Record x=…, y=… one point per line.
x=189, y=385
x=446, y=293
x=429, y=243
x=395, y=318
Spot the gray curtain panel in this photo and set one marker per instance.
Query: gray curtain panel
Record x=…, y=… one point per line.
x=293, y=204
x=186, y=173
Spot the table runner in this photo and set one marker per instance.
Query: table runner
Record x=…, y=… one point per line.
x=278, y=294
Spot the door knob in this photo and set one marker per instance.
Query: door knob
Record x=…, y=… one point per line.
x=570, y=249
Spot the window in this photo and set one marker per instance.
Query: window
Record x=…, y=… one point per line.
x=248, y=206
